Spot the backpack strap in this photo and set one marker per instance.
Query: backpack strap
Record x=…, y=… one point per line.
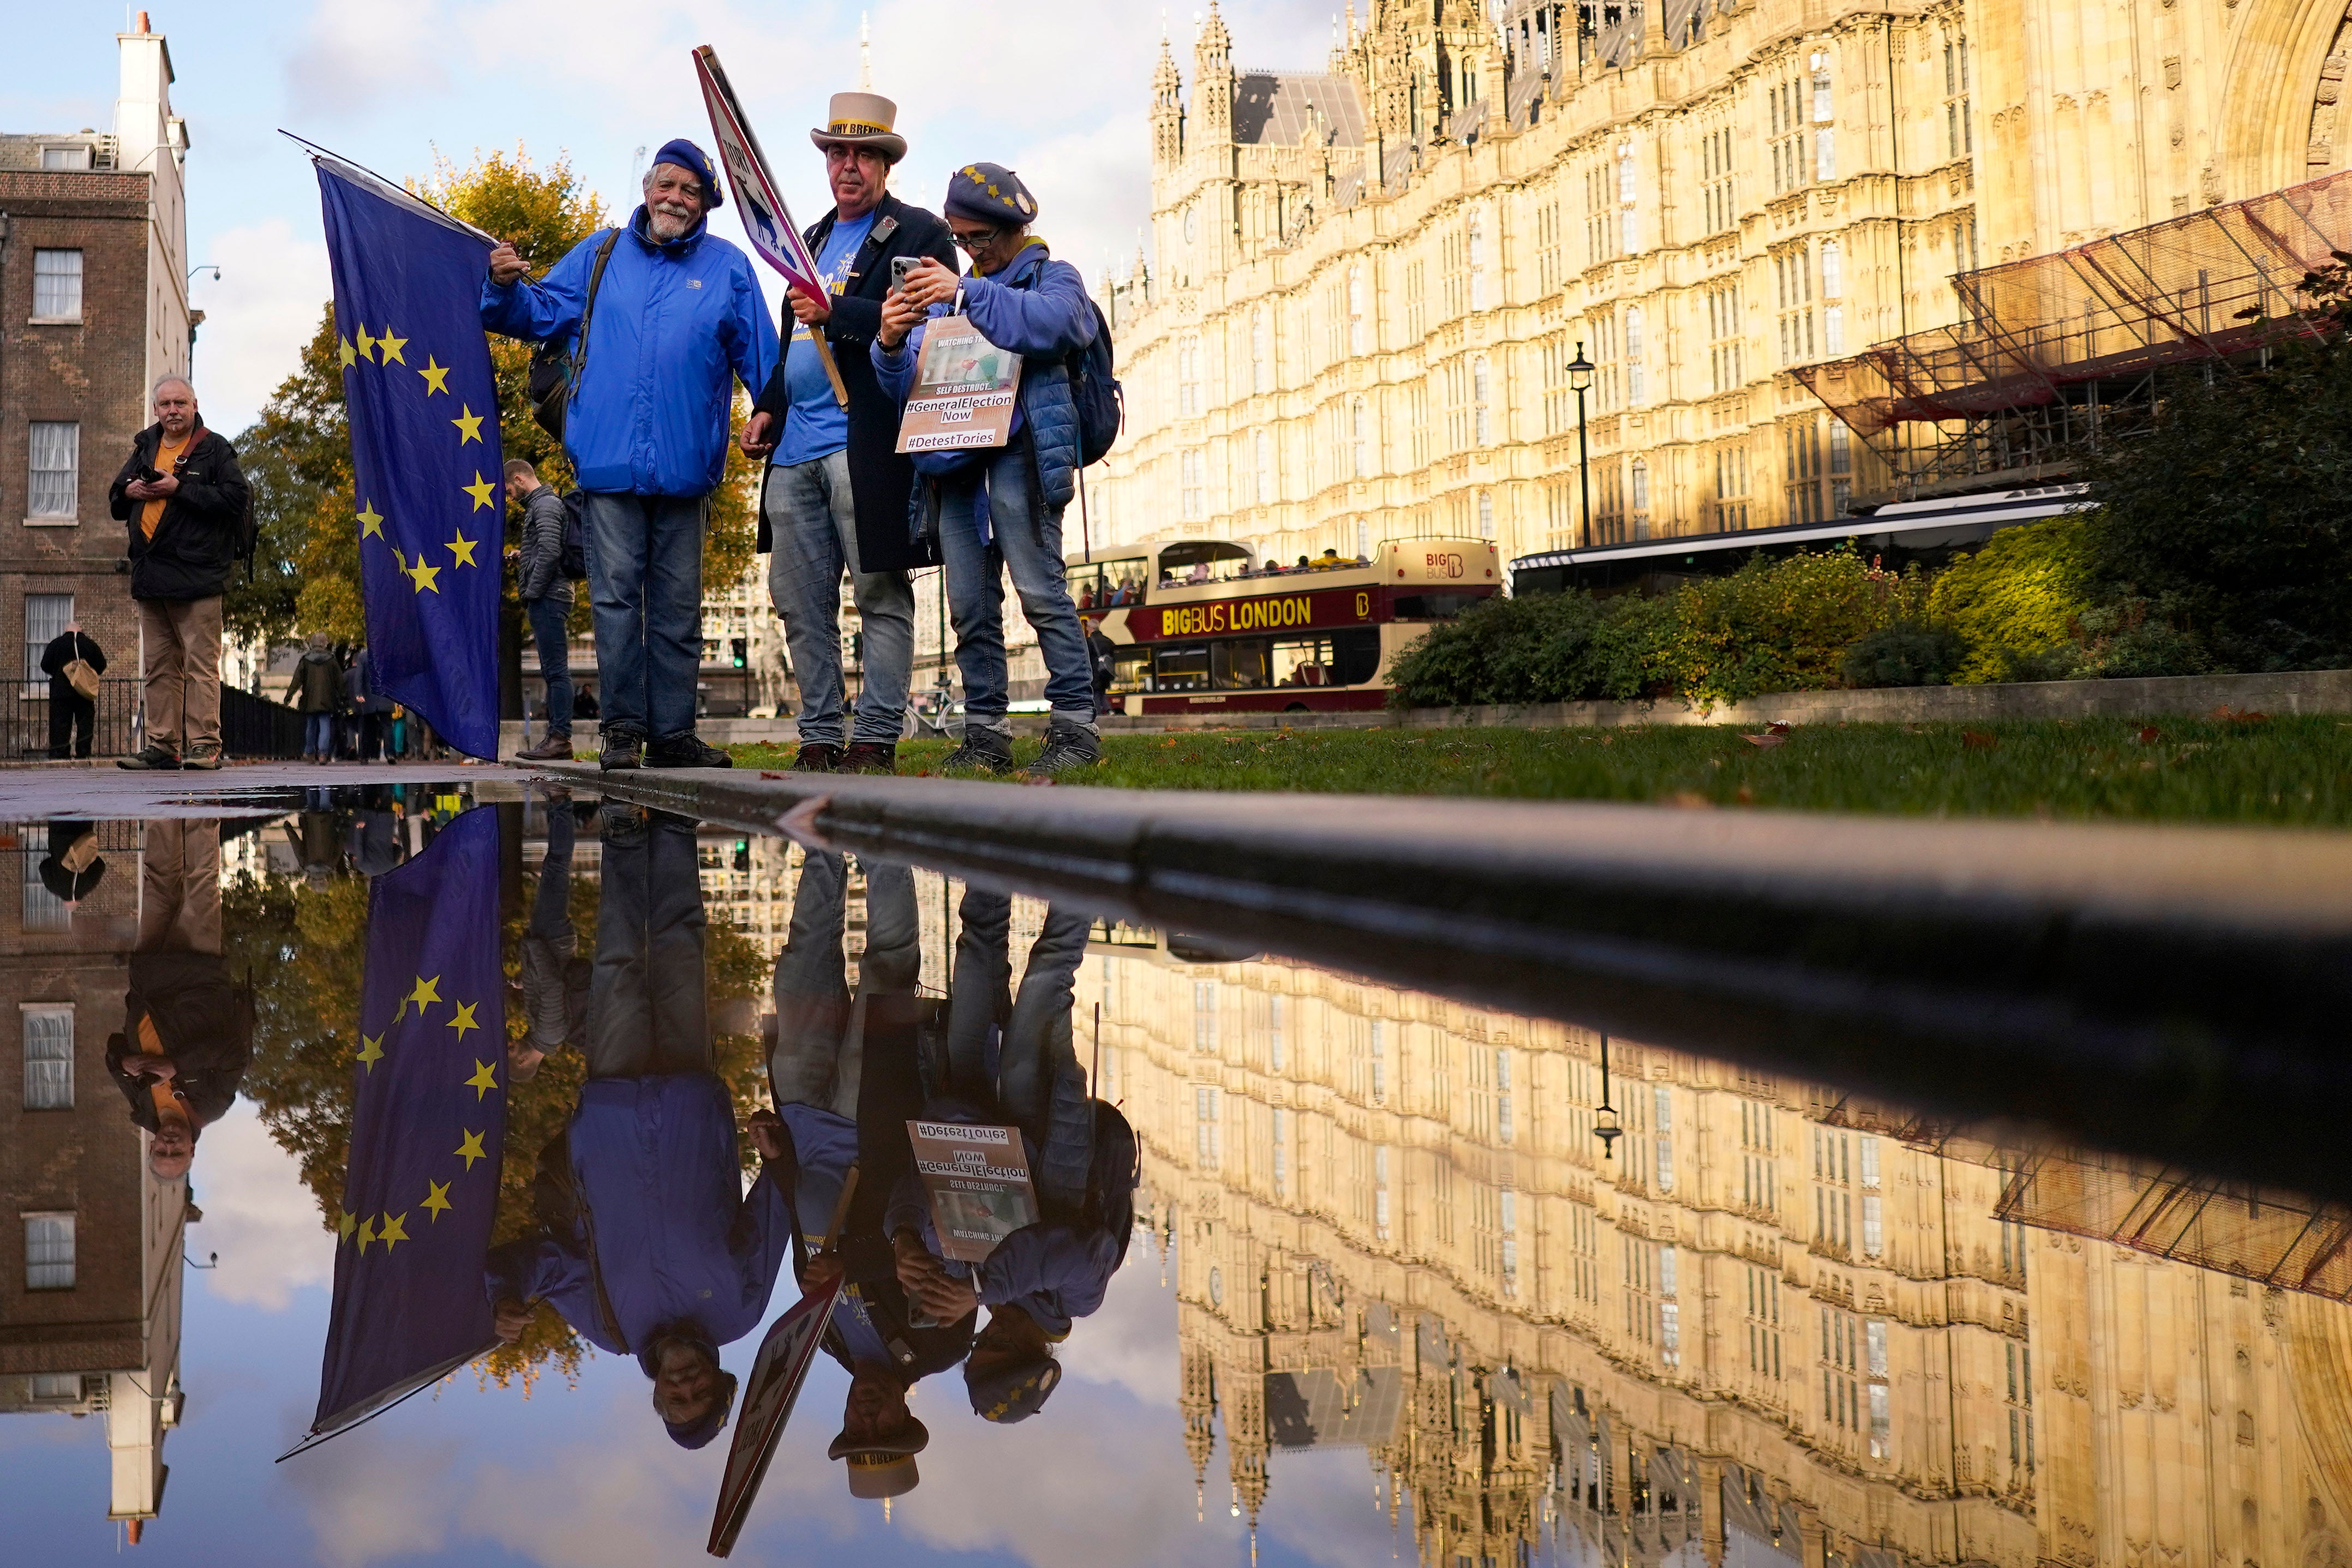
x=588, y=308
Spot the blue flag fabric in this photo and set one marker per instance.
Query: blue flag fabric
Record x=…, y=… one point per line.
x=431, y=490
x=428, y=1124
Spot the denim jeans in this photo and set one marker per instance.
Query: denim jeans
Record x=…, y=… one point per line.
x=318, y=734
x=976, y=593
x=547, y=617
x=819, y=1056
x=644, y=578
x=648, y=1008
x=812, y=525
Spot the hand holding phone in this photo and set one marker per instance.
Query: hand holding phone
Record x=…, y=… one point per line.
x=899, y=266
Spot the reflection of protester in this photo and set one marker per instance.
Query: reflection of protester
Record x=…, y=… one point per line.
x=315, y=690
x=554, y=992
x=186, y=1032
x=649, y=1245
x=72, y=716
x=843, y=1071
x=372, y=840
x=73, y=867
x=834, y=498
x=1003, y=512
x=1012, y=1057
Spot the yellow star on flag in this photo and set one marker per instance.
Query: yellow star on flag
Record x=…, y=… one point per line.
x=390, y=346
x=436, y=1198
x=427, y=992
x=484, y=1080
x=370, y=521
x=343, y=349
x=371, y=1051
x=470, y=428
x=343, y=1227
x=423, y=577
x=395, y=1229
x=463, y=549
x=465, y=1018
x=437, y=378
x=471, y=1149
x=367, y=346
x=480, y=489
x=367, y=1234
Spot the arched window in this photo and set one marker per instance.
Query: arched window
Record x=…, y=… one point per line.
x=1478, y=247
x=1481, y=427
x=1486, y=514
x=1641, y=482
x=1261, y=353
x=1636, y=383
x=1359, y=437
x=1629, y=235
x=1356, y=309
x=1262, y=452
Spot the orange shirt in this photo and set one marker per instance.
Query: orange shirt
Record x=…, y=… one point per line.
x=159, y=1089
x=166, y=454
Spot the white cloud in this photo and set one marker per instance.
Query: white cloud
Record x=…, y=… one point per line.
x=258, y=1217
x=355, y=56
x=370, y=1497
x=257, y=315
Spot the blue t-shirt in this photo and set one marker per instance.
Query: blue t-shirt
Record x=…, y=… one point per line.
x=815, y=426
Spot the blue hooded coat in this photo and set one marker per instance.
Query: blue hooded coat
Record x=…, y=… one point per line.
x=1038, y=309
x=673, y=320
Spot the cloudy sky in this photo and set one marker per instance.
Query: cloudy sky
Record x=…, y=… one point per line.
x=1055, y=90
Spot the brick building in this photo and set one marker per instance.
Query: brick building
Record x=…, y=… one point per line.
x=91, y=1243
x=93, y=309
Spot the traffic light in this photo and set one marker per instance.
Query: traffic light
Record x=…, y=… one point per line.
x=738, y=648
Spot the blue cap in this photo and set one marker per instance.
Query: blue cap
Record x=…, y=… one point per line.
x=687, y=156
x=990, y=193
x=1005, y=1394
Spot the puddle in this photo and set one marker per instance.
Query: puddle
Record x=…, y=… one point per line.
x=1306, y=1268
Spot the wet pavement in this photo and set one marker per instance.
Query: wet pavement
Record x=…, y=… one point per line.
x=542, y=1110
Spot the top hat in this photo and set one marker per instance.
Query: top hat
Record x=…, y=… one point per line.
x=862, y=120
x=885, y=1467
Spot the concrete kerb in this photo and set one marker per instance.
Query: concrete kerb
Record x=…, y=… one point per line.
x=2152, y=990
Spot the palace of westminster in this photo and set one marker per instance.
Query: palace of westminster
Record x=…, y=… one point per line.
x=1367, y=278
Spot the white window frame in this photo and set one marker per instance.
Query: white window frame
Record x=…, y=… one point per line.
x=34, y=500
x=40, y=277
x=50, y=1275
x=48, y=1091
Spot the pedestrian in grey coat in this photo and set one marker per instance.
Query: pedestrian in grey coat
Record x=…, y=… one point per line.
x=546, y=595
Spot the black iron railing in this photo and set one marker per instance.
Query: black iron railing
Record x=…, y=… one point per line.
x=255, y=727
x=250, y=726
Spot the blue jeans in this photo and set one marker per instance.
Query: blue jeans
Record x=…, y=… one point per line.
x=976, y=593
x=547, y=617
x=813, y=523
x=318, y=734
x=645, y=579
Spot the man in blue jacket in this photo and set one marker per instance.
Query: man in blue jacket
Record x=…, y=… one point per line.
x=649, y=1245
x=677, y=315
x=1003, y=508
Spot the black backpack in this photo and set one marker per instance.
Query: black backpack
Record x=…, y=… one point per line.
x=575, y=559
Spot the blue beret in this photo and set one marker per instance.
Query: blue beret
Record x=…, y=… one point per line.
x=990, y=193
x=687, y=156
x=1015, y=1393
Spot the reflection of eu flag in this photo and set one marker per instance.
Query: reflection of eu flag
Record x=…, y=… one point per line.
x=428, y=1119
x=425, y=449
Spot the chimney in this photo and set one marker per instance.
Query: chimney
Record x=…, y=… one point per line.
x=137, y=1527
x=143, y=27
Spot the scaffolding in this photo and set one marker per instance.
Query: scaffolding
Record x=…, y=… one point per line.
x=2054, y=352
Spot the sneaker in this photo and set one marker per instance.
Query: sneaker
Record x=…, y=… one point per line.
x=686, y=750
x=205, y=754
x=620, y=753
x=555, y=749
x=816, y=757
x=989, y=750
x=1068, y=748
x=156, y=755
x=870, y=757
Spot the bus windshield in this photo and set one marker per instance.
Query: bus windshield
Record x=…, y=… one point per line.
x=1102, y=585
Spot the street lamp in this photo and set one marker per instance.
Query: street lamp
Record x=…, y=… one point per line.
x=184, y=282
x=1604, y=1118
x=1580, y=381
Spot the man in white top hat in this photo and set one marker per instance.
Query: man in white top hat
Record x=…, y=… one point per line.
x=835, y=496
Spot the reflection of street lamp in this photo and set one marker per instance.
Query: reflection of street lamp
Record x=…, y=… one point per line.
x=1604, y=1119
x=1580, y=381
x=196, y=318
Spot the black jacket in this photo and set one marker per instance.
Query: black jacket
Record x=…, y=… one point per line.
x=538, y=573
x=879, y=479
x=196, y=539
x=63, y=649
x=206, y=1023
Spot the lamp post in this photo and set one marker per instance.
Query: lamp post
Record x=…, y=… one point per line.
x=1605, y=1117
x=1580, y=381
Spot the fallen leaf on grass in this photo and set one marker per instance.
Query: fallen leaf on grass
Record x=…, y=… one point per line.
x=1038, y=779
x=1688, y=800
x=766, y=774
x=1745, y=796
x=2149, y=735
x=2228, y=715
x=1775, y=734
x=1167, y=743
x=1979, y=741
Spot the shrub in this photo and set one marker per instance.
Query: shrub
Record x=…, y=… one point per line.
x=2015, y=603
x=1543, y=648
x=1783, y=626
x=2133, y=638
x=1909, y=653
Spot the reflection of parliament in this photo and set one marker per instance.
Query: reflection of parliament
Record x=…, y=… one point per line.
x=1776, y=1330
x=1367, y=277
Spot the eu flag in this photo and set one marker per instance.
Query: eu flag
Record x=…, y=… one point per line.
x=428, y=1120
x=430, y=494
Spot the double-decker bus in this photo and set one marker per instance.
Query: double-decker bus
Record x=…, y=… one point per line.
x=1203, y=627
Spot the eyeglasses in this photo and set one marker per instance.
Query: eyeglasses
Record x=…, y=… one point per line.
x=972, y=242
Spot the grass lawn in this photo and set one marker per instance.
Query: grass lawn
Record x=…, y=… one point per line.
x=2288, y=770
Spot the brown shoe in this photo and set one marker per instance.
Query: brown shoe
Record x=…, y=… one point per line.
x=817, y=757
x=870, y=757
x=205, y=756
x=555, y=749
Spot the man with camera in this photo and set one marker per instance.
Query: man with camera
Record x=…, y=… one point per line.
x=835, y=497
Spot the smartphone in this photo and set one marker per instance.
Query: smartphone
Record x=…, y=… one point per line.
x=899, y=266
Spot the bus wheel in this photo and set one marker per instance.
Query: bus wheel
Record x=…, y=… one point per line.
x=1298, y=707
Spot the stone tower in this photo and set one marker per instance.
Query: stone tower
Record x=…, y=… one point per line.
x=1167, y=112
